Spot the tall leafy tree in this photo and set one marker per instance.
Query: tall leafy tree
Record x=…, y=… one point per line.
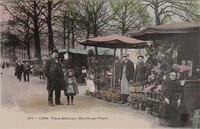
x=21, y=10
x=21, y=27
x=50, y=13
x=10, y=42
x=128, y=15
x=165, y=10
x=94, y=17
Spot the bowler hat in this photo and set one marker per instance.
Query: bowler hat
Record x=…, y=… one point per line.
x=125, y=55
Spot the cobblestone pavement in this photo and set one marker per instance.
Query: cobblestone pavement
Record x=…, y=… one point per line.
x=28, y=102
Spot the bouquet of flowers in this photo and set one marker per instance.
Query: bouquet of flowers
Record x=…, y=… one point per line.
x=184, y=68
x=158, y=89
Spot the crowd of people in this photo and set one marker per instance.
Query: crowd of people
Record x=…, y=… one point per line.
x=60, y=76
x=173, y=111
x=5, y=65
x=23, y=68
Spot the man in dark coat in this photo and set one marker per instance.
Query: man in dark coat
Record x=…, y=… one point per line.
x=16, y=68
x=127, y=74
x=55, y=78
x=117, y=69
x=27, y=69
x=20, y=70
x=140, y=70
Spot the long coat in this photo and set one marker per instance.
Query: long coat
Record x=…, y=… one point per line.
x=75, y=85
x=173, y=114
x=129, y=70
x=140, y=72
x=55, y=76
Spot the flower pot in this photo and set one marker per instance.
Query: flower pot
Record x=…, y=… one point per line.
x=109, y=99
x=155, y=114
x=136, y=106
x=148, y=110
x=143, y=108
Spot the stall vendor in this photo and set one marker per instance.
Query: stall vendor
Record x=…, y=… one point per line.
x=173, y=111
x=127, y=73
x=140, y=70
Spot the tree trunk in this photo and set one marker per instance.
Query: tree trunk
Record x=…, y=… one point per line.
x=64, y=31
x=68, y=37
x=49, y=25
x=27, y=28
x=87, y=36
x=36, y=36
x=73, y=36
x=157, y=17
x=14, y=56
x=28, y=50
x=27, y=43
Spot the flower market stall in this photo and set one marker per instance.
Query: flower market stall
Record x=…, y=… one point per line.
x=109, y=90
x=79, y=59
x=176, y=46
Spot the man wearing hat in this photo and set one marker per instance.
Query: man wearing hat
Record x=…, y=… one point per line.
x=55, y=78
x=140, y=70
x=127, y=73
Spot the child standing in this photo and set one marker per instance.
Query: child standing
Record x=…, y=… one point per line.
x=71, y=87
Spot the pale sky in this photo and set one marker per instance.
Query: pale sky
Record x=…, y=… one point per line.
x=3, y=17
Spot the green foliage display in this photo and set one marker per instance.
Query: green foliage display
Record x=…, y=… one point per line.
x=161, y=57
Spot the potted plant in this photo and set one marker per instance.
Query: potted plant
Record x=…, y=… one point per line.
x=143, y=105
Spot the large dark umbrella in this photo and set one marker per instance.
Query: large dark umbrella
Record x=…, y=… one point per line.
x=114, y=41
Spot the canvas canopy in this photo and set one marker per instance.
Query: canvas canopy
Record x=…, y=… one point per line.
x=101, y=51
x=161, y=31
x=114, y=41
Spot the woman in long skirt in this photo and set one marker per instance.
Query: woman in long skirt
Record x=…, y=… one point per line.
x=173, y=111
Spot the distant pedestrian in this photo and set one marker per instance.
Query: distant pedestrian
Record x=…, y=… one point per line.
x=16, y=68
x=41, y=73
x=7, y=64
x=3, y=65
x=55, y=78
x=27, y=69
x=20, y=70
x=71, y=86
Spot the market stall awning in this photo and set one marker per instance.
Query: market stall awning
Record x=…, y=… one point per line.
x=101, y=51
x=157, y=32
x=75, y=51
x=114, y=41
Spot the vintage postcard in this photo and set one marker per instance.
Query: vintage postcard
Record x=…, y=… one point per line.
x=100, y=64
